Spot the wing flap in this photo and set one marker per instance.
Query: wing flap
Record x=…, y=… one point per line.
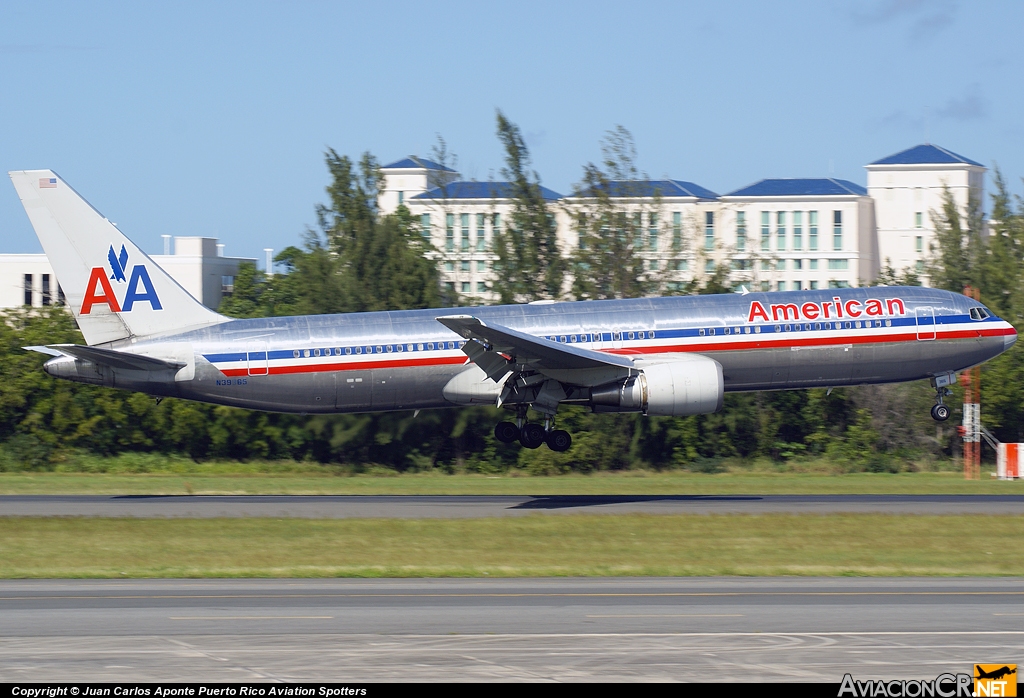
x=527, y=349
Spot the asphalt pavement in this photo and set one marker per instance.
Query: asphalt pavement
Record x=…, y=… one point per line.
x=474, y=506
x=711, y=629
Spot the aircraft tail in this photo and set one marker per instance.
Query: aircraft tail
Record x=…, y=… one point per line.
x=113, y=288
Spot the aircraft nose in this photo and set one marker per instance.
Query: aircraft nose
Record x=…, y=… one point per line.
x=1009, y=340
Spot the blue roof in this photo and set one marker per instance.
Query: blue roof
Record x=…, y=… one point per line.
x=927, y=154
x=415, y=163
x=648, y=187
x=802, y=187
x=480, y=190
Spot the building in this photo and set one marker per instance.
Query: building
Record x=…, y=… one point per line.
x=197, y=263
x=906, y=188
x=775, y=234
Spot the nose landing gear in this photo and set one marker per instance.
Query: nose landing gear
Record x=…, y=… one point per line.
x=941, y=411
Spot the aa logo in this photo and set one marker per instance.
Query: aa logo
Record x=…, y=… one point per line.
x=98, y=290
x=995, y=679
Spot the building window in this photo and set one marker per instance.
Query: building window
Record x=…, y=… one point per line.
x=814, y=264
x=840, y=264
x=837, y=230
x=481, y=265
x=652, y=264
x=781, y=286
x=227, y=285
x=28, y=289
x=682, y=264
x=465, y=287
x=464, y=265
x=46, y=289
x=798, y=264
x=919, y=266
x=709, y=230
x=425, y=225
x=449, y=232
x=652, y=232
x=464, y=220
x=796, y=285
x=765, y=231
x=60, y=295
x=741, y=231
x=798, y=230
x=677, y=230
x=766, y=265
x=813, y=285
x=496, y=225
x=919, y=244
x=765, y=286
x=481, y=287
x=812, y=231
x=918, y=220
x=838, y=284
x=709, y=266
x=449, y=266
x=401, y=198
x=481, y=234
x=780, y=230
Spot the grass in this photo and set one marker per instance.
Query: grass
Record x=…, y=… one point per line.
x=218, y=479
x=579, y=545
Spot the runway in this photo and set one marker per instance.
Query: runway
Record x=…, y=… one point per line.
x=713, y=629
x=475, y=506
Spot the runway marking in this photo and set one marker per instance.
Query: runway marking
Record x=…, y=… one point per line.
x=1008, y=614
x=666, y=594
x=665, y=615
x=249, y=617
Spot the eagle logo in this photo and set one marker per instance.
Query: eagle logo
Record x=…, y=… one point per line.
x=118, y=263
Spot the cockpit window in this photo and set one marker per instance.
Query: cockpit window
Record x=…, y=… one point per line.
x=979, y=313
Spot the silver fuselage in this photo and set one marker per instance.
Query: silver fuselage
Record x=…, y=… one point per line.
x=367, y=362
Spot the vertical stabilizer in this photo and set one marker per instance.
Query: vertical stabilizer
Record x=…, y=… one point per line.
x=113, y=288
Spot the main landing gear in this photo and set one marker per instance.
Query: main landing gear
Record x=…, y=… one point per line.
x=532, y=434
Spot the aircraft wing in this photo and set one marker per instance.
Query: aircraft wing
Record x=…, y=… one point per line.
x=524, y=349
x=109, y=357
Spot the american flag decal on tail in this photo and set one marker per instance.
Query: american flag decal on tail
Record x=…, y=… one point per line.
x=48, y=183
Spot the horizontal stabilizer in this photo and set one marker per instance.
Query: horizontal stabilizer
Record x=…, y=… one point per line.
x=115, y=359
x=528, y=349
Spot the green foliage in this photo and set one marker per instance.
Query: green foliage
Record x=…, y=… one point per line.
x=529, y=264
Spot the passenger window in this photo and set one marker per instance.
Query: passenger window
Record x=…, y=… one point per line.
x=295, y=354
x=399, y=347
x=701, y=332
x=305, y=352
x=348, y=350
x=632, y=335
x=572, y=338
x=316, y=352
x=651, y=334
x=746, y=330
x=711, y=331
x=757, y=330
x=788, y=328
x=641, y=335
x=725, y=331
x=778, y=328
x=817, y=325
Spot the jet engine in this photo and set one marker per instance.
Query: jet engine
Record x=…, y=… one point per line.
x=685, y=386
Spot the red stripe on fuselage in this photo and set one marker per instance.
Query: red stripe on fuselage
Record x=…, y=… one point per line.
x=754, y=342
x=354, y=366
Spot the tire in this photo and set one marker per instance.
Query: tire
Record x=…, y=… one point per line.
x=506, y=432
x=532, y=435
x=940, y=413
x=559, y=440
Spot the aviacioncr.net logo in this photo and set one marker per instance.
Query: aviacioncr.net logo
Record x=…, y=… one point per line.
x=943, y=686
x=98, y=290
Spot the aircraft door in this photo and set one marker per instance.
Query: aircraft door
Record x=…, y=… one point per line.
x=257, y=360
x=354, y=389
x=925, y=323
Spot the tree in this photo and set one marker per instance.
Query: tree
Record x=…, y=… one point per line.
x=529, y=264
x=613, y=215
x=959, y=244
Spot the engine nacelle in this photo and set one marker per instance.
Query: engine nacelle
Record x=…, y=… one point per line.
x=688, y=385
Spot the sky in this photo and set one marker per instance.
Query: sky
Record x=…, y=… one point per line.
x=200, y=118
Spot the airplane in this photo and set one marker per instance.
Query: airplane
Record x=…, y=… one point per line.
x=995, y=673
x=672, y=356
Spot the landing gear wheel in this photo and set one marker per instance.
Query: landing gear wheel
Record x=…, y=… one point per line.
x=940, y=413
x=559, y=440
x=532, y=435
x=506, y=432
